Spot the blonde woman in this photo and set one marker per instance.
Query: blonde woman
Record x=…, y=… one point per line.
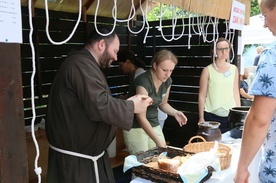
x=218, y=87
x=146, y=132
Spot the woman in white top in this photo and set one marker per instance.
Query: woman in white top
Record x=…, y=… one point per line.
x=219, y=86
x=130, y=64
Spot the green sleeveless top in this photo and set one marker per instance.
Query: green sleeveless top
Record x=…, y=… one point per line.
x=145, y=80
x=220, y=95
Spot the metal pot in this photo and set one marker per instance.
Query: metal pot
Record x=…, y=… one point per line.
x=209, y=130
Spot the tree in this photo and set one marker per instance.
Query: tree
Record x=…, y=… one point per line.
x=255, y=9
x=168, y=10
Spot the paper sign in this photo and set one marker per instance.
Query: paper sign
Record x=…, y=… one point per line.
x=10, y=21
x=237, y=18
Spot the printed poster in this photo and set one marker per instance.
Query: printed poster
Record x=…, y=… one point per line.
x=237, y=16
x=10, y=21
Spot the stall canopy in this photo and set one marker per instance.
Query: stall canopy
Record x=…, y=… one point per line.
x=214, y=8
x=255, y=33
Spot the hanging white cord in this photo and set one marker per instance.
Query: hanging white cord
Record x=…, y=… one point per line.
x=47, y=24
x=189, y=38
x=161, y=30
x=226, y=29
x=183, y=26
x=206, y=30
x=132, y=14
x=232, y=48
x=215, y=54
x=114, y=13
x=231, y=40
x=143, y=14
x=216, y=22
x=174, y=23
x=161, y=9
x=160, y=23
x=161, y=14
x=198, y=27
x=215, y=30
x=95, y=18
x=147, y=23
x=37, y=169
x=202, y=27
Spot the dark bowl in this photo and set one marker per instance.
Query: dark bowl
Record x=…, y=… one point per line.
x=237, y=116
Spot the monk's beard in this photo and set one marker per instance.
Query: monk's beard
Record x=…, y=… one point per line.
x=104, y=59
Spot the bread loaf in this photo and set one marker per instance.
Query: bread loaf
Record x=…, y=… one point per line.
x=153, y=165
x=170, y=165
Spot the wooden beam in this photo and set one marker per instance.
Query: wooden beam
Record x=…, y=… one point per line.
x=88, y=4
x=13, y=156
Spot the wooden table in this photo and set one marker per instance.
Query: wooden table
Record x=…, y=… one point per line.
x=228, y=174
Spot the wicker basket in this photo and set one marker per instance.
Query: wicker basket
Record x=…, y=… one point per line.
x=196, y=147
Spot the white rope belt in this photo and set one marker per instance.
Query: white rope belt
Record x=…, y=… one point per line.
x=93, y=158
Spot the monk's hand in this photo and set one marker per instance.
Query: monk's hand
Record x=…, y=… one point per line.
x=141, y=102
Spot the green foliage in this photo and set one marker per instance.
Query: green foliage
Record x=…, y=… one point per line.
x=255, y=9
x=168, y=11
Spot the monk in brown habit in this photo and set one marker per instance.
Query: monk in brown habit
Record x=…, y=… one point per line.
x=82, y=115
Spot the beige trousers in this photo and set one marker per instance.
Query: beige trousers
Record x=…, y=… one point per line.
x=137, y=139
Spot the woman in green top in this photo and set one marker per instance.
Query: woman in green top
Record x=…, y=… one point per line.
x=146, y=132
x=218, y=87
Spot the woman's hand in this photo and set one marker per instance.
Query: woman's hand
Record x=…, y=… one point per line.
x=160, y=143
x=180, y=118
x=201, y=120
x=242, y=177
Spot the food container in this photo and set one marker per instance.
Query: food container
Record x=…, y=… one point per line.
x=159, y=175
x=237, y=116
x=225, y=152
x=209, y=130
x=236, y=119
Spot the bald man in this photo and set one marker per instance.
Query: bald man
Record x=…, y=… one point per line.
x=259, y=50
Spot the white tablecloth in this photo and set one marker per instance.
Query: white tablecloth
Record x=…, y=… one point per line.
x=228, y=174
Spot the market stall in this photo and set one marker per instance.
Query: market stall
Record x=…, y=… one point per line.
x=17, y=62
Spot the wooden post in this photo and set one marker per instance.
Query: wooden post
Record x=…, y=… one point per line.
x=13, y=153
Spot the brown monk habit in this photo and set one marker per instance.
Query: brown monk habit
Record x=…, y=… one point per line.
x=82, y=117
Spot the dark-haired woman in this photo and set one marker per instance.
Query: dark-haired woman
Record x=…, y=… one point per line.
x=131, y=65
